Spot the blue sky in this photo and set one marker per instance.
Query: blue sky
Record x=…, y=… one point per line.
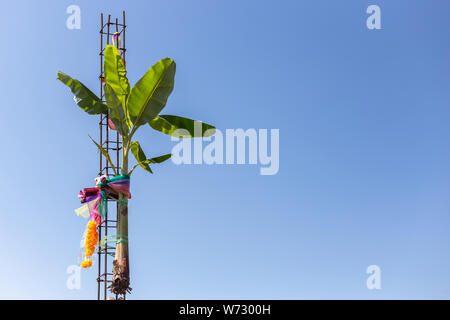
x=364, y=160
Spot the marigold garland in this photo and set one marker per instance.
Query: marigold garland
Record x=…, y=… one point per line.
x=86, y=263
x=90, y=243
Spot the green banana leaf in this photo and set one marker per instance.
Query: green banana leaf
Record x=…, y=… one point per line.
x=117, y=112
x=108, y=158
x=115, y=72
x=149, y=95
x=152, y=161
x=83, y=97
x=139, y=154
x=169, y=124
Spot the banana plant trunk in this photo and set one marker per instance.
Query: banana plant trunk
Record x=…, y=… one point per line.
x=121, y=271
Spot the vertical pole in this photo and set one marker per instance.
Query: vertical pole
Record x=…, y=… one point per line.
x=101, y=141
x=123, y=45
x=105, y=284
x=125, y=64
x=117, y=134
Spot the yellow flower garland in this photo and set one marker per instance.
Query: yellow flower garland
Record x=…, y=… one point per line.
x=90, y=243
x=86, y=263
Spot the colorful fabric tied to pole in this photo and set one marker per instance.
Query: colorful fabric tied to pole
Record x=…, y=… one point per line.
x=95, y=207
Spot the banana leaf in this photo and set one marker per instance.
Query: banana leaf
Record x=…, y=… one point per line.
x=139, y=154
x=149, y=95
x=152, y=161
x=115, y=72
x=105, y=153
x=170, y=124
x=117, y=113
x=83, y=97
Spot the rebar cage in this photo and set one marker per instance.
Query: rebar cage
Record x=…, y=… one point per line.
x=110, y=141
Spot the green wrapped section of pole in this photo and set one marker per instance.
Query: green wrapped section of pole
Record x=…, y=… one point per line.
x=114, y=238
x=121, y=279
x=121, y=264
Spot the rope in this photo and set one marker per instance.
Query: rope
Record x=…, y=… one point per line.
x=114, y=238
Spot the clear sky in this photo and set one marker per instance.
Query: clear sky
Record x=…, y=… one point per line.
x=364, y=173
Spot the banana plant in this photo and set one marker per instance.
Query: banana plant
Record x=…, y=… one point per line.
x=130, y=109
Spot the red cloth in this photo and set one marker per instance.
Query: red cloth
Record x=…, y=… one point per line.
x=88, y=192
